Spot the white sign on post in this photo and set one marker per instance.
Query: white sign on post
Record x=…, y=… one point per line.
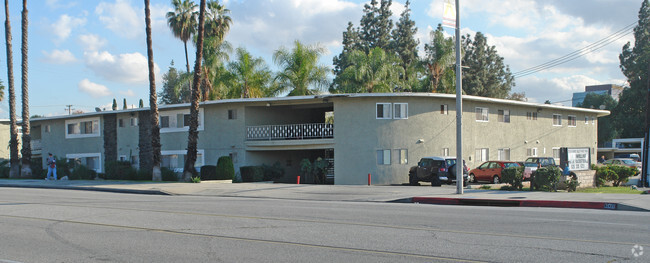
x=578, y=158
x=449, y=14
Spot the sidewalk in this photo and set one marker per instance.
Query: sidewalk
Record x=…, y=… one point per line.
x=355, y=193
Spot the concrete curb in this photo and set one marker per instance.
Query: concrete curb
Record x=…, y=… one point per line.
x=86, y=188
x=525, y=203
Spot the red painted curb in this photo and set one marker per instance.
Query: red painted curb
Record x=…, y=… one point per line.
x=520, y=203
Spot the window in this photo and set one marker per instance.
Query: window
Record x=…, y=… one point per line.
x=531, y=116
x=82, y=128
x=445, y=152
x=482, y=154
x=557, y=120
x=586, y=120
x=120, y=123
x=531, y=152
x=403, y=156
x=504, y=154
x=164, y=121
x=401, y=110
x=47, y=128
x=176, y=159
x=572, y=120
x=593, y=120
x=504, y=116
x=122, y=158
x=233, y=157
x=383, y=111
x=481, y=114
x=556, y=154
x=444, y=109
x=134, y=121
x=186, y=120
x=90, y=160
x=232, y=114
x=383, y=156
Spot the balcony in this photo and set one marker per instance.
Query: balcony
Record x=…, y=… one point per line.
x=36, y=146
x=290, y=132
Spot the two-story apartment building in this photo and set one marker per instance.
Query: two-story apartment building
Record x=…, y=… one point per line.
x=382, y=134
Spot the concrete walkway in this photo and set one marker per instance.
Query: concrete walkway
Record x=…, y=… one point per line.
x=357, y=193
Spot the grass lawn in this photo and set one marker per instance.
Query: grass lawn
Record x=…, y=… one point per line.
x=610, y=190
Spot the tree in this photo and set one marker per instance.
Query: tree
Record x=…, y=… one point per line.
x=439, y=61
x=351, y=41
x=376, y=25
x=486, y=75
x=193, y=135
x=377, y=71
x=518, y=96
x=27, y=138
x=299, y=69
x=404, y=42
x=173, y=91
x=124, y=106
x=215, y=51
x=114, y=104
x=607, y=128
x=250, y=76
x=182, y=22
x=635, y=65
x=13, y=140
x=141, y=103
x=153, y=106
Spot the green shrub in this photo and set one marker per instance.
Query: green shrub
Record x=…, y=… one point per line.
x=547, y=178
x=623, y=173
x=145, y=175
x=572, y=184
x=81, y=172
x=37, y=170
x=273, y=172
x=121, y=170
x=237, y=178
x=63, y=168
x=251, y=173
x=208, y=172
x=225, y=168
x=168, y=174
x=514, y=176
x=196, y=179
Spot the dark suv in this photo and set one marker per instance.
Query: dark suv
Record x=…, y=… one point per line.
x=436, y=170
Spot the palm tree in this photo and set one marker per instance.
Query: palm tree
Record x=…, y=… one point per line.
x=193, y=135
x=217, y=21
x=375, y=72
x=182, y=22
x=439, y=61
x=299, y=69
x=215, y=49
x=153, y=106
x=27, y=144
x=13, y=141
x=250, y=76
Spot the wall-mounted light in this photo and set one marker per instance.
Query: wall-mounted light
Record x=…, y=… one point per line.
x=525, y=142
x=268, y=104
x=420, y=141
x=537, y=141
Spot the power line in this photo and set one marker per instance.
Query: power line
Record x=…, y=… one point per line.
x=578, y=53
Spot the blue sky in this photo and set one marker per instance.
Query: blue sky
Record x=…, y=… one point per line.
x=85, y=53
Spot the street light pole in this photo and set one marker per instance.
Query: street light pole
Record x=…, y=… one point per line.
x=460, y=165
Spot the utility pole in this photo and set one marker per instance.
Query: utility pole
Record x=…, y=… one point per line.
x=69, y=108
x=460, y=164
x=646, y=135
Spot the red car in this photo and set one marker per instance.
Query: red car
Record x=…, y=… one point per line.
x=490, y=171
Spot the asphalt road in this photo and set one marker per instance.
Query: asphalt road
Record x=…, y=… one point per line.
x=48, y=225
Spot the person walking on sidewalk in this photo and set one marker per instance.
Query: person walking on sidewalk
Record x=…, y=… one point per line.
x=51, y=167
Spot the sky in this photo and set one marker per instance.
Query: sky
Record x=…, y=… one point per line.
x=86, y=53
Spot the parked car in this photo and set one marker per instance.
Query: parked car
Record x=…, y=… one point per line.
x=490, y=171
x=624, y=162
x=436, y=170
x=541, y=161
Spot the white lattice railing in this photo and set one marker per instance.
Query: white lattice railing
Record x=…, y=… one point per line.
x=290, y=131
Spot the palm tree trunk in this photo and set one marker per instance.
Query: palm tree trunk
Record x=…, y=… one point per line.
x=187, y=60
x=27, y=144
x=13, y=141
x=193, y=136
x=153, y=106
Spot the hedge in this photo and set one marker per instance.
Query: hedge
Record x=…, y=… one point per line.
x=251, y=173
x=514, y=176
x=225, y=169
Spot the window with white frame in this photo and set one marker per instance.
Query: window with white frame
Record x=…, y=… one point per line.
x=383, y=111
x=178, y=120
x=403, y=156
x=481, y=114
x=504, y=154
x=557, y=120
x=176, y=159
x=82, y=128
x=122, y=158
x=133, y=121
x=586, y=120
x=383, y=156
x=401, y=110
x=164, y=121
x=556, y=154
x=47, y=128
x=593, y=120
x=90, y=160
x=482, y=154
x=572, y=119
x=532, y=152
x=531, y=116
x=444, y=109
x=504, y=116
x=445, y=151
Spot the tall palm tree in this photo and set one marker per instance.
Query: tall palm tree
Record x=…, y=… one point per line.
x=375, y=72
x=182, y=22
x=193, y=136
x=153, y=106
x=439, y=61
x=217, y=21
x=250, y=74
x=299, y=69
x=13, y=141
x=27, y=138
x=215, y=49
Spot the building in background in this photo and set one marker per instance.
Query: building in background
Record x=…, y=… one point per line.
x=609, y=89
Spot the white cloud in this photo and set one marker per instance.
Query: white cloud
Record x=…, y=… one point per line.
x=129, y=68
x=59, y=57
x=93, y=89
x=128, y=93
x=91, y=42
x=121, y=18
x=64, y=26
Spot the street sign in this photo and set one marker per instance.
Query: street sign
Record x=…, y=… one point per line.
x=449, y=14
